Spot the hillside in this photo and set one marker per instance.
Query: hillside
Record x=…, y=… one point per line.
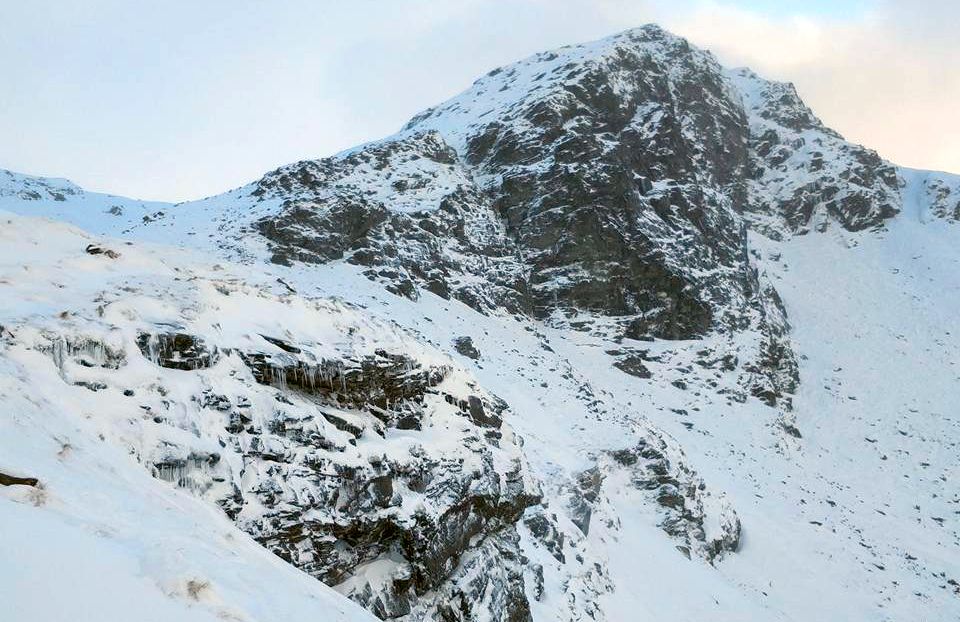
x=616, y=334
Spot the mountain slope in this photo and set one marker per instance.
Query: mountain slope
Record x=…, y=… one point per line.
x=98, y=538
x=721, y=335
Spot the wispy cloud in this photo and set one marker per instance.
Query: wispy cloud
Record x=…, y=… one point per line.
x=184, y=99
x=887, y=79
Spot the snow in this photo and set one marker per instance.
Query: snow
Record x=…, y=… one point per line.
x=877, y=380
x=75, y=377
x=898, y=358
x=103, y=541
x=515, y=87
x=858, y=520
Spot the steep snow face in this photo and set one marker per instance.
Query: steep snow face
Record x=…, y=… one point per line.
x=874, y=321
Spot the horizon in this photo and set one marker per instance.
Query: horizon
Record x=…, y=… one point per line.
x=193, y=124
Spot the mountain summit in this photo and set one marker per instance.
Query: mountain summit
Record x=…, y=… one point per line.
x=614, y=334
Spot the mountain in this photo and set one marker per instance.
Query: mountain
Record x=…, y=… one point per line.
x=617, y=333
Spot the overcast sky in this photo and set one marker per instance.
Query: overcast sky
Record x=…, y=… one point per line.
x=181, y=99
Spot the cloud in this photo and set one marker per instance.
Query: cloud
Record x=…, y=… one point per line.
x=184, y=99
x=887, y=79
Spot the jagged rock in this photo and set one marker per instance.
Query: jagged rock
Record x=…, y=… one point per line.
x=624, y=188
x=598, y=222
x=583, y=495
x=83, y=351
x=177, y=350
x=792, y=430
x=633, y=365
x=382, y=380
x=801, y=168
x=646, y=157
x=408, y=209
x=704, y=525
x=96, y=249
x=464, y=345
x=442, y=519
x=942, y=192
x=547, y=533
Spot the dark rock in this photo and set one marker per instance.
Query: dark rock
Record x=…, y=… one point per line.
x=679, y=492
x=382, y=380
x=464, y=345
x=791, y=429
x=95, y=249
x=92, y=386
x=11, y=480
x=382, y=490
x=177, y=351
x=283, y=345
x=480, y=416
x=544, y=530
x=634, y=366
x=583, y=495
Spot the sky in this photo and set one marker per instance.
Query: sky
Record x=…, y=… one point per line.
x=180, y=99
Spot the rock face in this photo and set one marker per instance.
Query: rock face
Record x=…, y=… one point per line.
x=804, y=173
x=355, y=453
x=606, y=179
x=177, y=350
x=610, y=177
x=408, y=210
x=600, y=171
x=386, y=474
x=609, y=163
x=341, y=443
x=709, y=533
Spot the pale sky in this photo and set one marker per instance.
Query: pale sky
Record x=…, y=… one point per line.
x=181, y=99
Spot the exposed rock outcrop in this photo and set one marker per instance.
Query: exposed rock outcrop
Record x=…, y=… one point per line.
x=805, y=175
x=306, y=464
x=12, y=480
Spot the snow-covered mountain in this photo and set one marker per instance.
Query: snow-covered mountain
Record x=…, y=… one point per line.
x=615, y=334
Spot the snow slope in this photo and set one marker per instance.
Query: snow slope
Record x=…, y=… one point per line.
x=265, y=403
x=101, y=539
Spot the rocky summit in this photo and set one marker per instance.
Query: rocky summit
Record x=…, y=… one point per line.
x=617, y=333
